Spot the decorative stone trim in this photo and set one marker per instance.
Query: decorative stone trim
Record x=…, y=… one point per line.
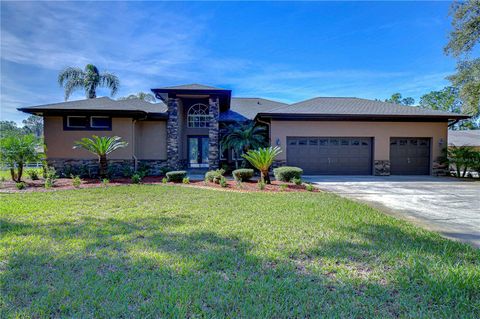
x=172, y=133
x=382, y=167
x=213, y=133
x=88, y=168
x=279, y=163
x=154, y=166
x=439, y=169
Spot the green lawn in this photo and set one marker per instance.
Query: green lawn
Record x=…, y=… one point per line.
x=167, y=251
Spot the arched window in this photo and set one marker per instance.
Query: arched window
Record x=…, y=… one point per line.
x=197, y=116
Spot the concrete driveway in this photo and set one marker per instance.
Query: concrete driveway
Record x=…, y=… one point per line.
x=447, y=205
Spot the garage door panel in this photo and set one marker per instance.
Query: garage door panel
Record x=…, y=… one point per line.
x=330, y=155
x=409, y=156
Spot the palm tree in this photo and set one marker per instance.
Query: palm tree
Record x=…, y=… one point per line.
x=147, y=97
x=243, y=137
x=262, y=159
x=18, y=150
x=90, y=79
x=101, y=146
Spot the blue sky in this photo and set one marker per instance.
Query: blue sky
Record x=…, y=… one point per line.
x=283, y=51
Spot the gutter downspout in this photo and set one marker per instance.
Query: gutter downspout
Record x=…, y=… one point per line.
x=453, y=123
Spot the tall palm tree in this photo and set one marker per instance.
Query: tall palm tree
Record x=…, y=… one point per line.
x=101, y=146
x=262, y=159
x=243, y=137
x=147, y=97
x=72, y=79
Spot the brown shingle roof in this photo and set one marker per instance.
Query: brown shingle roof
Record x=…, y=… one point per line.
x=250, y=107
x=354, y=106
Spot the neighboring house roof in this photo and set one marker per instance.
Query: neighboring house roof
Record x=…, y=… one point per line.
x=353, y=107
x=464, y=138
x=100, y=105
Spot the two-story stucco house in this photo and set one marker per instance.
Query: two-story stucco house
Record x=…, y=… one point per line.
x=324, y=135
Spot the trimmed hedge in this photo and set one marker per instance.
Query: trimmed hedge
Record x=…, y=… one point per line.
x=214, y=176
x=287, y=173
x=176, y=176
x=242, y=174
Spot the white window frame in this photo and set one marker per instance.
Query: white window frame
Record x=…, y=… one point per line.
x=77, y=116
x=202, y=115
x=98, y=116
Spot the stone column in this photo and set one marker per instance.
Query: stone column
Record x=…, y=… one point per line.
x=382, y=168
x=213, y=133
x=173, y=159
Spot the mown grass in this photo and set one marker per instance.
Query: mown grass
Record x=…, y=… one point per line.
x=167, y=251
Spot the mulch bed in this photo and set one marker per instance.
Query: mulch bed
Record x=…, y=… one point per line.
x=66, y=183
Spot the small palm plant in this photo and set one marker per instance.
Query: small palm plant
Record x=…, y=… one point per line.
x=89, y=80
x=101, y=146
x=243, y=137
x=262, y=159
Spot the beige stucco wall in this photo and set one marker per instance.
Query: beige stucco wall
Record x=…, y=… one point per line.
x=60, y=143
x=380, y=131
x=151, y=140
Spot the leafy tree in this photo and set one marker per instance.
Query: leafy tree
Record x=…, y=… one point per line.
x=397, y=98
x=101, y=146
x=72, y=79
x=463, y=38
x=448, y=100
x=467, y=79
x=33, y=125
x=466, y=27
x=18, y=150
x=147, y=97
x=242, y=137
x=8, y=128
x=262, y=159
x=444, y=100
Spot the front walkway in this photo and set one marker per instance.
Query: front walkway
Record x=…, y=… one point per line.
x=447, y=205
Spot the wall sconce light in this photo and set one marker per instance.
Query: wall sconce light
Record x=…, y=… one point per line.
x=440, y=142
x=277, y=142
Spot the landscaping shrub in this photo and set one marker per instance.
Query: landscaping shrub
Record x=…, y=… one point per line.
x=105, y=182
x=283, y=187
x=76, y=181
x=309, y=187
x=21, y=185
x=223, y=181
x=164, y=180
x=261, y=185
x=143, y=169
x=50, y=177
x=176, y=176
x=296, y=181
x=33, y=174
x=136, y=179
x=214, y=176
x=127, y=170
x=186, y=180
x=242, y=174
x=287, y=173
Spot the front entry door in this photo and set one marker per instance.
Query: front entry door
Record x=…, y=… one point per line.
x=198, y=151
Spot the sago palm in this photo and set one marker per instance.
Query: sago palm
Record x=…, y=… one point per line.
x=243, y=137
x=262, y=159
x=72, y=79
x=101, y=146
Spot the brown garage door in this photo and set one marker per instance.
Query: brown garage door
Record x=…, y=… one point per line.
x=409, y=156
x=331, y=155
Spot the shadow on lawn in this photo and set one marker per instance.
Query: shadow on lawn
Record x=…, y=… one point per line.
x=145, y=267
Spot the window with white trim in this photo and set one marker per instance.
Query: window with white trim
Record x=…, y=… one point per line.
x=77, y=121
x=197, y=116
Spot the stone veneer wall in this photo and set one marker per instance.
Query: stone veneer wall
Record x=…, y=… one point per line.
x=89, y=168
x=381, y=167
x=173, y=133
x=440, y=169
x=213, y=134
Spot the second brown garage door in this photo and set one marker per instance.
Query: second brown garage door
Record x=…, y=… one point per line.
x=409, y=156
x=331, y=155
